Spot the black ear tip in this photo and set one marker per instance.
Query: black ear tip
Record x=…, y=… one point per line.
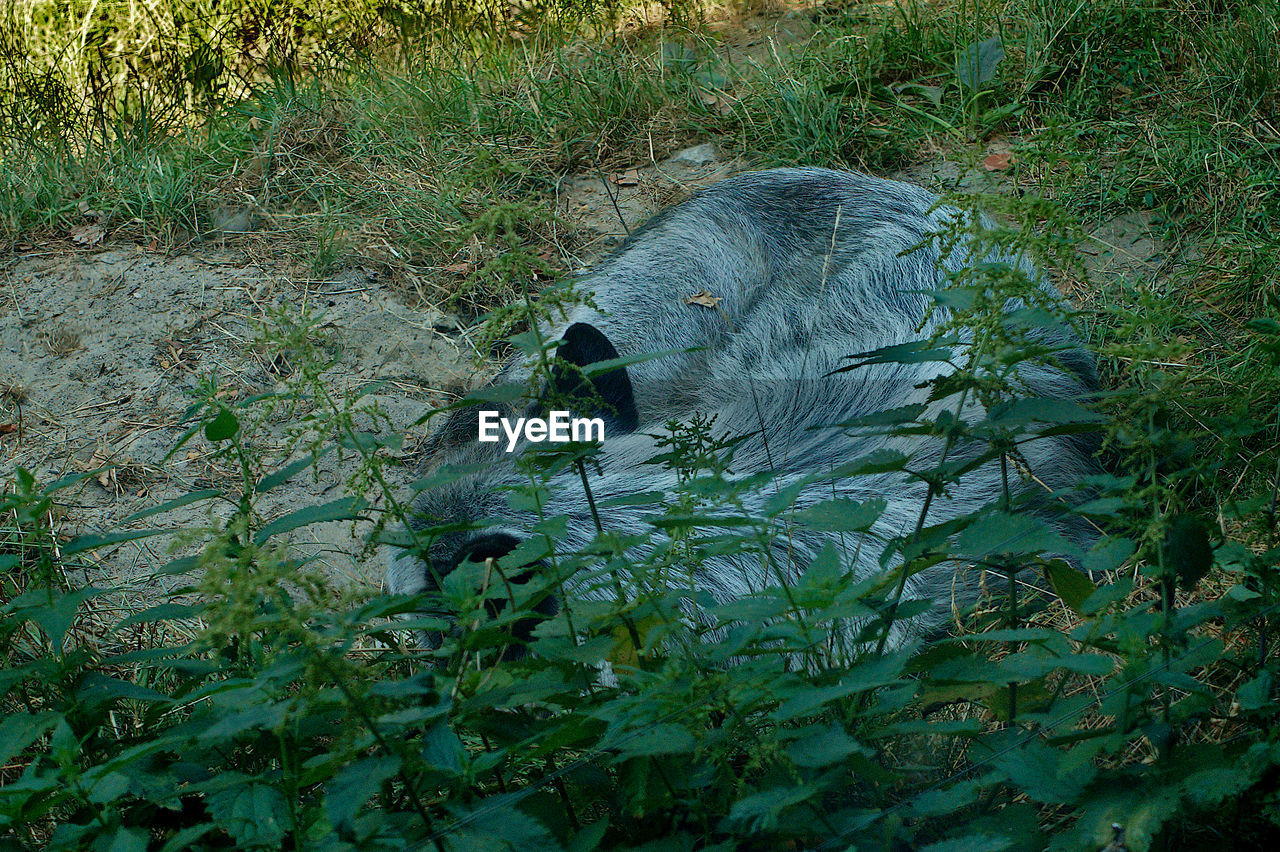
x=583, y=344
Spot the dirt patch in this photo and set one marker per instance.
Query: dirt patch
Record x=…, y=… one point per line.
x=101, y=351
x=605, y=208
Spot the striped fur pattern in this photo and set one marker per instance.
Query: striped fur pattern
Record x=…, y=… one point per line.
x=810, y=266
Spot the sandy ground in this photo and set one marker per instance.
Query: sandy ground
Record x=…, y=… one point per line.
x=100, y=349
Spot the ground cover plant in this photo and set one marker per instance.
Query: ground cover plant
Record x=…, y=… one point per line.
x=1128, y=697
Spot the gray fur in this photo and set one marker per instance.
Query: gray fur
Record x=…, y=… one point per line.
x=798, y=294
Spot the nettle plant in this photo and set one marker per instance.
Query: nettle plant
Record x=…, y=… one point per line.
x=1086, y=699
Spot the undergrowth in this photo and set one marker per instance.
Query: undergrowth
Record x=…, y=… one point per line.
x=259, y=707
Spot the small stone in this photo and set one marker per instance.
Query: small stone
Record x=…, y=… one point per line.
x=447, y=323
x=699, y=155
x=232, y=219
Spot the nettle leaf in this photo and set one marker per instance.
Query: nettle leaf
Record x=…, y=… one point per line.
x=1006, y=533
x=1025, y=411
x=163, y=612
x=55, y=616
x=759, y=812
x=842, y=515
x=253, y=814
x=99, y=688
x=266, y=716
x=823, y=747
x=126, y=839
x=1187, y=549
x=1072, y=586
x=1108, y=554
x=343, y=509
x=92, y=541
x=1255, y=694
x=889, y=417
x=978, y=62
x=914, y=352
x=442, y=749
x=948, y=800
x=223, y=426
x=284, y=474
x=497, y=823
x=971, y=843
x=589, y=838
x=19, y=730
x=658, y=739
x=825, y=569
x=356, y=784
x=504, y=393
x=1042, y=772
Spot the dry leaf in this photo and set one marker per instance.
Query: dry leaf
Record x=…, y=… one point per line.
x=88, y=235
x=7, y=428
x=997, y=162
x=703, y=298
x=631, y=177
x=459, y=268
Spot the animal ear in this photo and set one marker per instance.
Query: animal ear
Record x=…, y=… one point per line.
x=606, y=395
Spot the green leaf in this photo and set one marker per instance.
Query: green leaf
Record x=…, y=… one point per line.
x=253, y=814
x=1045, y=774
x=221, y=427
x=842, y=515
x=1255, y=694
x=177, y=502
x=824, y=747
x=99, y=688
x=342, y=509
x=265, y=716
x=759, y=812
x=590, y=837
x=351, y=788
x=889, y=417
x=129, y=840
x=1071, y=585
x=163, y=612
x=970, y=843
x=1108, y=554
x=1006, y=533
x=19, y=730
x=1024, y=411
x=977, y=63
x=442, y=749
x=277, y=477
x=184, y=840
x=657, y=739
x=55, y=616
x=93, y=541
x=504, y=393
x=915, y=352
x=1187, y=550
